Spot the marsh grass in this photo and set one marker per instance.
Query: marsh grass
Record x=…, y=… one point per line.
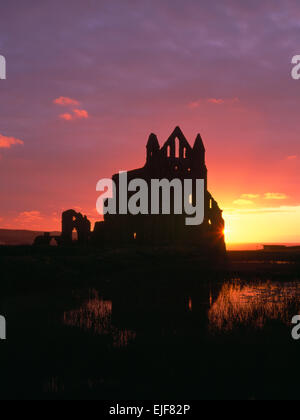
x=127, y=324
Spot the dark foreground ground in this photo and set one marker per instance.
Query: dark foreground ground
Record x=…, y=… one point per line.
x=148, y=324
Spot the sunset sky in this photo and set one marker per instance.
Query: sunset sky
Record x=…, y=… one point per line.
x=89, y=80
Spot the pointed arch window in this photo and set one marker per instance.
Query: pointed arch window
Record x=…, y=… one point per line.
x=169, y=151
x=177, y=148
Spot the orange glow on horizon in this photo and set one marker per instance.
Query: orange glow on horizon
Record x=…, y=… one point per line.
x=254, y=210
x=256, y=225
x=259, y=225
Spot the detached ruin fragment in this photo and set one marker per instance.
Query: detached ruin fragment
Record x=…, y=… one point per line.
x=71, y=220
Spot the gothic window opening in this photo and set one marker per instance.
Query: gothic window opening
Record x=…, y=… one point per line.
x=169, y=151
x=75, y=235
x=177, y=148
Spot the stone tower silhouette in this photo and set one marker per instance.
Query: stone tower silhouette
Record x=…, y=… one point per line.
x=176, y=159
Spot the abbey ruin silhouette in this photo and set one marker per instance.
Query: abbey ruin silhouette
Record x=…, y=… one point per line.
x=176, y=159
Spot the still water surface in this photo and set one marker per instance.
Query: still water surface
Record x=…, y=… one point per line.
x=197, y=340
x=236, y=303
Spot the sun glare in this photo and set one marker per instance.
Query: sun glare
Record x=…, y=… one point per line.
x=226, y=232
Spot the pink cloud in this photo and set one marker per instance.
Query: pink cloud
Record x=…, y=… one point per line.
x=216, y=101
x=66, y=117
x=81, y=113
x=292, y=157
x=78, y=114
x=194, y=105
x=8, y=142
x=65, y=101
x=30, y=215
x=221, y=101
x=30, y=220
x=213, y=101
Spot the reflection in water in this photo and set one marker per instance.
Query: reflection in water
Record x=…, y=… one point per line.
x=170, y=326
x=53, y=385
x=276, y=262
x=236, y=304
x=253, y=305
x=95, y=314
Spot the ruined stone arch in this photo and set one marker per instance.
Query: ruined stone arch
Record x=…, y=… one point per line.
x=71, y=220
